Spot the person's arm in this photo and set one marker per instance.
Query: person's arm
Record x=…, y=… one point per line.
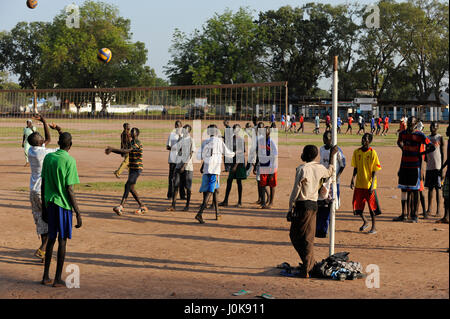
x=429, y=148
x=53, y=126
x=47, y=135
x=352, y=183
x=373, y=180
x=201, y=168
x=109, y=150
x=296, y=189
x=74, y=204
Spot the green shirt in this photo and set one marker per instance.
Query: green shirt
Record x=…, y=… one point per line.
x=59, y=170
x=136, y=153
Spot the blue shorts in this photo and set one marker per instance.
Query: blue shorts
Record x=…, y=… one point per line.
x=59, y=221
x=210, y=182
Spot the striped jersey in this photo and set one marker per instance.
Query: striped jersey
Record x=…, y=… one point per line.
x=412, y=147
x=136, y=153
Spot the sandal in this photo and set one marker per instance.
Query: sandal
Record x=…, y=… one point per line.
x=141, y=211
x=118, y=210
x=39, y=254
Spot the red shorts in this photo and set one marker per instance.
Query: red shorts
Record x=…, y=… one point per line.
x=282, y=123
x=360, y=197
x=268, y=180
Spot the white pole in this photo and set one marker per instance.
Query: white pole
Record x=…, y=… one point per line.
x=334, y=142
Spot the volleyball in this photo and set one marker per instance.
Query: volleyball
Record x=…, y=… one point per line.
x=32, y=4
x=104, y=55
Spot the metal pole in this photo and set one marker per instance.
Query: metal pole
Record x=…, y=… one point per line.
x=334, y=142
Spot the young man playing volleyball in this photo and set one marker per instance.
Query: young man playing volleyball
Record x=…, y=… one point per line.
x=211, y=153
x=135, y=168
x=365, y=164
x=59, y=174
x=125, y=143
x=36, y=155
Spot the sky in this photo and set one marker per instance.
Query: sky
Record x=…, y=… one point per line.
x=152, y=22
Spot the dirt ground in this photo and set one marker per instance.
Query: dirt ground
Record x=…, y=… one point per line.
x=169, y=255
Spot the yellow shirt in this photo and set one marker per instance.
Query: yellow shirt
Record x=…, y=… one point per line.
x=365, y=163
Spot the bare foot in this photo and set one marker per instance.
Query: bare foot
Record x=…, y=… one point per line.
x=170, y=209
x=364, y=226
x=199, y=218
x=239, y=205
x=186, y=208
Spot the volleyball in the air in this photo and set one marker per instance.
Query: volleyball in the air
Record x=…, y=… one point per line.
x=32, y=4
x=104, y=55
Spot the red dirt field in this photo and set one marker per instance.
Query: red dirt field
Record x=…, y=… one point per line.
x=169, y=255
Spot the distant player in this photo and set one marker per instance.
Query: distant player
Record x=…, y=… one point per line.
x=27, y=131
x=268, y=162
x=136, y=166
x=184, y=170
x=237, y=171
x=172, y=140
x=301, y=121
x=349, y=121
x=362, y=124
x=283, y=122
x=317, y=124
x=410, y=142
x=434, y=164
x=385, y=125
x=125, y=143
x=339, y=125
x=379, y=121
x=328, y=122
x=365, y=164
x=211, y=152
x=372, y=125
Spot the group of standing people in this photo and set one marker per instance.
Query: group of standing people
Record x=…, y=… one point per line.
x=54, y=172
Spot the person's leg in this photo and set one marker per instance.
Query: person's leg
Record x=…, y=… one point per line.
x=206, y=197
x=438, y=202
x=216, y=205
x=263, y=196
x=227, y=191
x=239, y=184
x=272, y=196
x=125, y=193
x=187, y=177
x=170, y=188
x=303, y=229
x=48, y=260
x=414, y=205
x=430, y=199
x=373, y=230
x=60, y=263
x=135, y=195
x=175, y=183
x=123, y=165
x=422, y=203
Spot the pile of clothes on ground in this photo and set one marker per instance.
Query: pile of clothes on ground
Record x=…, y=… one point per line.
x=336, y=267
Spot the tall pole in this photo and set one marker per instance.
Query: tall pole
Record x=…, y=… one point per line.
x=334, y=142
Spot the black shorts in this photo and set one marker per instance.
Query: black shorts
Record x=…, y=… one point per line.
x=133, y=175
x=433, y=179
x=185, y=177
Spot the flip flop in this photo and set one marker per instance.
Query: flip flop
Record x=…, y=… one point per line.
x=118, y=210
x=241, y=292
x=266, y=296
x=362, y=228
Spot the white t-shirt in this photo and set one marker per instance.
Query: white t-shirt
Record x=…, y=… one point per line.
x=36, y=155
x=211, y=152
x=186, y=146
x=171, y=142
x=325, y=161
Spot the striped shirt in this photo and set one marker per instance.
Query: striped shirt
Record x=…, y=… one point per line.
x=136, y=153
x=412, y=146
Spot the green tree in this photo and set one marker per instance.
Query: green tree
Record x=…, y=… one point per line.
x=295, y=47
x=225, y=51
x=21, y=53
